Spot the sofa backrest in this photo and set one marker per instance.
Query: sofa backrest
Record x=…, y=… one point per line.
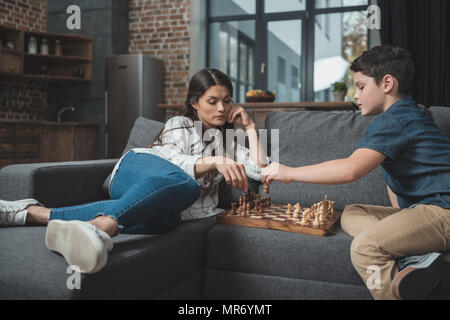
x=143, y=133
x=310, y=137
x=441, y=116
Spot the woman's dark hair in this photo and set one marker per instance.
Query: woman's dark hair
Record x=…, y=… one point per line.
x=198, y=85
x=382, y=60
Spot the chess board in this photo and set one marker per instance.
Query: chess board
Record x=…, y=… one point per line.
x=275, y=217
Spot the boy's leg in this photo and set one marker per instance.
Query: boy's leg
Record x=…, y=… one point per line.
x=358, y=217
x=415, y=231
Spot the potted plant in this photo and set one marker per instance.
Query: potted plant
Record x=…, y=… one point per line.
x=339, y=91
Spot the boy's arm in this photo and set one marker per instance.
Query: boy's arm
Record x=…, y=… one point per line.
x=341, y=171
x=393, y=198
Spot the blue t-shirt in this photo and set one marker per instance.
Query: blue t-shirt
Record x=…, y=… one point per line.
x=417, y=167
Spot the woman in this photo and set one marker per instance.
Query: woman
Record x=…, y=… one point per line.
x=145, y=181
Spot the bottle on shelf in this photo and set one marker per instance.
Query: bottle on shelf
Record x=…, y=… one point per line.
x=44, y=46
x=32, y=45
x=58, y=48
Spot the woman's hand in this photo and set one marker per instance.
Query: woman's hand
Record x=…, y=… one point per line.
x=276, y=172
x=238, y=116
x=233, y=172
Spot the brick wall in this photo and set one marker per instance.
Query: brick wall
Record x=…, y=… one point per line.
x=23, y=99
x=160, y=28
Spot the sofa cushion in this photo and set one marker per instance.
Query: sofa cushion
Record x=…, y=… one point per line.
x=308, y=138
x=144, y=132
x=139, y=266
x=283, y=254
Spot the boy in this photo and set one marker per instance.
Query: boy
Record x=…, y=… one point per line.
x=415, y=158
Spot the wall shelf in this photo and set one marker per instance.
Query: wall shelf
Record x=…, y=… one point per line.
x=74, y=64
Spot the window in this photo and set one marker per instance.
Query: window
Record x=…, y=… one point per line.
x=295, y=47
x=232, y=51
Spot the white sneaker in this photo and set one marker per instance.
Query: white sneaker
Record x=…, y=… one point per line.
x=81, y=243
x=14, y=213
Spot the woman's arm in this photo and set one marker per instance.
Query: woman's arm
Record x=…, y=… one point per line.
x=257, y=154
x=238, y=116
x=232, y=171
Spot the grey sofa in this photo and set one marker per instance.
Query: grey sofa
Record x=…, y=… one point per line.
x=202, y=259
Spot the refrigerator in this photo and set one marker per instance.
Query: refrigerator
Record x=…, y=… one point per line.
x=134, y=88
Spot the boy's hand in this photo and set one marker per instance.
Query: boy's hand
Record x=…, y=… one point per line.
x=276, y=172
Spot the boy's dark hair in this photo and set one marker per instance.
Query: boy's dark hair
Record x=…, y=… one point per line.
x=382, y=60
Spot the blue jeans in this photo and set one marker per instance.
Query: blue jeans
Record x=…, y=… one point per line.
x=148, y=194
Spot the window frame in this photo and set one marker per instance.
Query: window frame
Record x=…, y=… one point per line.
x=261, y=19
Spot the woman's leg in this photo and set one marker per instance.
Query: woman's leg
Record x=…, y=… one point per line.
x=143, y=189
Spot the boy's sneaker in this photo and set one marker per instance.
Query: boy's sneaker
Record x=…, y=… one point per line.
x=14, y=213
x=81, y=243
x=418, y=276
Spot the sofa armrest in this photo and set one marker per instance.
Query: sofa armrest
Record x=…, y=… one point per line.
x=56, y=184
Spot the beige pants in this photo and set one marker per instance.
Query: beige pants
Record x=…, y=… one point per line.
x=382, y=234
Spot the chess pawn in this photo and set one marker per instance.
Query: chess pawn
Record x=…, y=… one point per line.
x=316, y=222
x=332, y=209
x=322, y=212
x=249, y=209
x=305, y=217
x=266, y=188
x=233, y=209
x=289, y=209
x=296, y=214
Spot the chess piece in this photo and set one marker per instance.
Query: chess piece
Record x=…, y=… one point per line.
x=322, y=212
x=331, y=209
x=233, y=209
x=249, y=209
x=305, y=217
x=289, y=209
x=316, y=222
x=266, y=188
x=297, y=208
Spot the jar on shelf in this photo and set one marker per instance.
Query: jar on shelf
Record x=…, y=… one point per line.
x=44, y=46
x=32, y=45
x=58, y=48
